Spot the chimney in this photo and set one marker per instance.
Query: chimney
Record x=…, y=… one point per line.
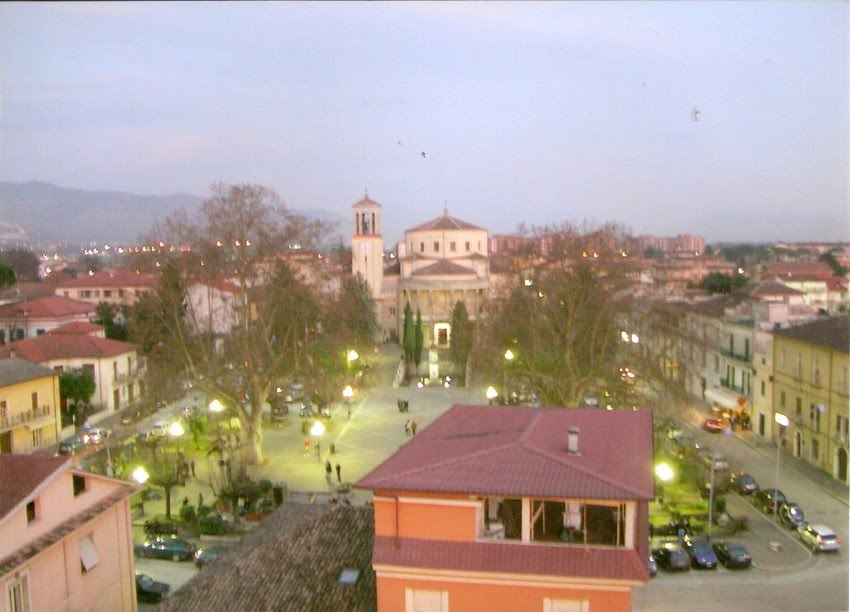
x=572, y=441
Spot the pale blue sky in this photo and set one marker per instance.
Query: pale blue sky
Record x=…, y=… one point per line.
x=527, y=112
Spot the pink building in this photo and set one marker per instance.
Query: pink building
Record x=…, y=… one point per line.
x=65, y=537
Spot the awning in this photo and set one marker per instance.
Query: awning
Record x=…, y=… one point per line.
x=723, y=398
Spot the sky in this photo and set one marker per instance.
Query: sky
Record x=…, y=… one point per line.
x=727, y=120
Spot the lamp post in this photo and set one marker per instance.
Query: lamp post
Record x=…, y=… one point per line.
x=141, y=476
x=347, y=393
x=783, y=423
x=665, y=474
x=711, y=496
x=509, y=357
x=491, y=394
x=351, y=357
x=316, y=431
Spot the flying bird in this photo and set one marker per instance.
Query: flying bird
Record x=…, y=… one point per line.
x=423, y=153
x=695, y=114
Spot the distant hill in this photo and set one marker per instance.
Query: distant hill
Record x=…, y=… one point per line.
x=51, y=213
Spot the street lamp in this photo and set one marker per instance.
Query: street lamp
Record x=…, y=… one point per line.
x=316, y=431
x=664, y=473
x=347, y=393
x=509, y=357
x=783, y=422
x=216, y=406
x=491, y=394
x=140, y=475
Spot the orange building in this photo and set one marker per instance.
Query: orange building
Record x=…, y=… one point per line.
x=515, y=508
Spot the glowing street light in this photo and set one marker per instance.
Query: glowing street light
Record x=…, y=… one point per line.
x=216, y=406
x=664, y=472
x=140, y=475
x=353, y=356
x=491, y=394
x=347, y=393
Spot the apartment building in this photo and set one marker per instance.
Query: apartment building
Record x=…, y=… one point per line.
x=29, y=406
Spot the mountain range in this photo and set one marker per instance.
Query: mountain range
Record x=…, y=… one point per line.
x=36, y=211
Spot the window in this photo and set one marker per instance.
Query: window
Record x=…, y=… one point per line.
x=37, y=437
x=436, y=247
x=115, y=369
x=79, y=484
x=798, y=408
x=88, y=555
x=31, y=514
x=417, y=600
x=815, y=450
x=19, y=594
x=782, y=399
x=85, y=294
x=39, y=332
x=565, y=605
x=34, y=399
x=815, y=372
x=107, y=293
x=467, y=247
x=97, y=293
x=421, y=247
x=782, y=357
x=762, y=388
x=453, y=247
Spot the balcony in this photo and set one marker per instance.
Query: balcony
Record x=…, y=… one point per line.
x=743, y=358
x=30, y=418
x=128, y=377
x=728, y=384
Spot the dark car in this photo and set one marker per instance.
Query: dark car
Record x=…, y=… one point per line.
x=71, y=446
x=306, y=408
x=767, y=500
x=744, y=484
x=149, y=590
x=672, y=557
x=652, y=566
x=208, y=554
x=791, y=515
x=732, y=555
x=167, y=547
x=700, y=552
x=714, y=425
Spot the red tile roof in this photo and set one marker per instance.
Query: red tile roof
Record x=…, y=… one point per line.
x=21, y=475
x=65, y=346
x=593, y=563
x=444, y=222
x=113, y=278
x=77, y=328
x=47, y=307
x=521, y=451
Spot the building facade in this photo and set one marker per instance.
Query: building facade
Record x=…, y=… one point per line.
x=29, y=406
x=66, y=534
x=505, y=508
x=32, y=318
x=117, y=287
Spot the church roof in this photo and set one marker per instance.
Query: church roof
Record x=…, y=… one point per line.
x=445, y=222
x=443, y=267
x=366, y=202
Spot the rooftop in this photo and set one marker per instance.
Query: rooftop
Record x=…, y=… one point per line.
x=14, y=371
x=47, y=307
x=832, y=333
x=48, y=347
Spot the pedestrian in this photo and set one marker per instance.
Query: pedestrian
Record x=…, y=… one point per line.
x=192, y=465
x=328, y=467
x=306, y=445
x=318, y=449
x=200, y=500
x=413, y=427
x=407, y=427
x=338, y=473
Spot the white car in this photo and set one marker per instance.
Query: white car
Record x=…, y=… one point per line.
x=819, y=538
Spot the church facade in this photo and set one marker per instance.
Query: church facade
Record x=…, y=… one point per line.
x=442, y=262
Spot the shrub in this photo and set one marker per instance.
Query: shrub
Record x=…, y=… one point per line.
x=187, y=514
x=720, y=504
x=204, y=510
x=212, y=525
x=264, y=487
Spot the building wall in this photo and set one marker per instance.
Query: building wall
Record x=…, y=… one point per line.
x=55, y=575
x=31, y=429
x=505, y=593
x=120, y=372
x=443, y=519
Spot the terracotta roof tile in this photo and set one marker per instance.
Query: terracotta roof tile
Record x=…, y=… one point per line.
x=521, y=451
x=76, y=328
x=444, y=222
x=511, y=557
x=21, y=475
x=291, y=561
x=444, y=267
x=51, y=306
x=65, y=346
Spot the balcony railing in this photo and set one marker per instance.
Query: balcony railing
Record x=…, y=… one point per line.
x=745, y=358
x=22, y=418
x=726, y=383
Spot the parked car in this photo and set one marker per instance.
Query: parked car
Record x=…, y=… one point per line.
x=819, y=538
x=71, y=446
x=709, y=458
x=791, y=515
x=95, y=436
x=732, y=555
x=714, y=425
x=208, y=554
x=768, y=499
x=744, y=484
x=700, y=552
x=150, y=590
x=672, y=557
x=306, y=408
x=166, y=547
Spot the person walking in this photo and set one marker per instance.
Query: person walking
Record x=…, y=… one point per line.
x=319, y=449
x=192, y=466
x=306, y=446
x=407, y=427
x=338, y=473
x=328, y=468
x=413, y=427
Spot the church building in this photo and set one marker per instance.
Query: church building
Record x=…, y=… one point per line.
x=442, y=262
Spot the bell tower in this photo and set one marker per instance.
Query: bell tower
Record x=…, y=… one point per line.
x=367, y=245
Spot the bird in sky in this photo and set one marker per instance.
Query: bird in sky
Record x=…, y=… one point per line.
x=695, y=114
x=423, y=154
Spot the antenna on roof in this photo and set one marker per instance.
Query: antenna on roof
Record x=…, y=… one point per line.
x=445, y=208
x=366, y=192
